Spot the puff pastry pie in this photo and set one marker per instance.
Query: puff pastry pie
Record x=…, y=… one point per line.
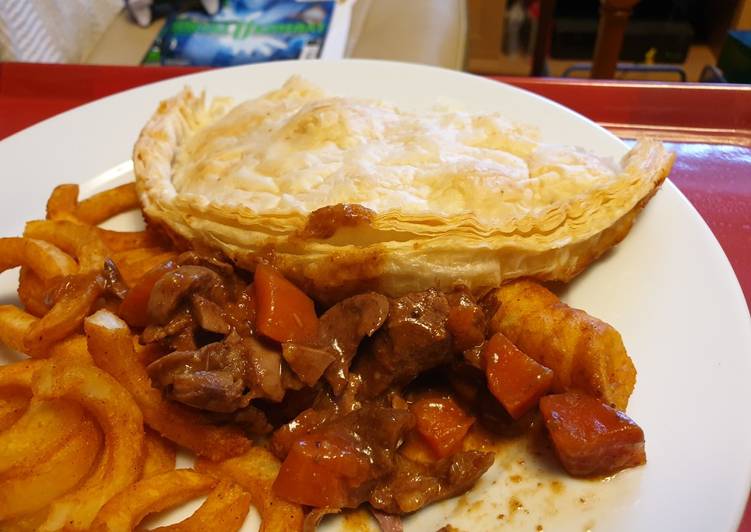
x=344, y=194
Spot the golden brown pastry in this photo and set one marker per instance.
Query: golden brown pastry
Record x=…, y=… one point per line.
x=586, y=354
x=343, y=194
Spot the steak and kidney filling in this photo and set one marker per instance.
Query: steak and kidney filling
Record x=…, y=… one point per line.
x=339, y=390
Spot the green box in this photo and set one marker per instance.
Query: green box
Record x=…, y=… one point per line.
x=735, y=57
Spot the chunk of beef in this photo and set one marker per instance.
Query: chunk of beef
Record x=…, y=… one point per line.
x=323, y=409
x=340, y=331
x=253, y=421
x=473, y=356
x=179, y=327
x=240, y=314
x=466, y=321
x=313, y=518
x=211, y=260
x=265, y=364
x=113, y=281
x=414, y=338
x=412, y=485
x=387, y=522
x=177, y=286
x=216, y=391
x=326, y=221
x=342, y=327
x=197, y=301
x=211, y=378
x=208, y=315
x=307, y=362
x=221, y=376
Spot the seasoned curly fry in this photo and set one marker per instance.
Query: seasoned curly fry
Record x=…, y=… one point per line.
x=129, y=507
x=122, y=423
x=13, y=404
x=57, y=420
x=81, y=241
x=106, y=204
x=47, y=261
x=42, y=265
x=127, y=240
x=78, y=296
x=73, y=350
x=52, y=478
x=62, y=203
x=224, y=509
x=25, y=523
x=32, y=487
x=584, y=353
x=33, y=292
x=255, y=471
x=19, y=374
x=14, y=325
x=160, y=455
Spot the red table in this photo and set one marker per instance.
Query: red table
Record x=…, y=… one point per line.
x=708, y=126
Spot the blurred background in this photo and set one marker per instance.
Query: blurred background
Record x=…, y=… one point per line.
x=675, y=40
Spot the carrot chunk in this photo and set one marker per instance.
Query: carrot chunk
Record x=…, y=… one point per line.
x=441, y=422
x=283, y=312
x=320, y=472
x=589, y=437
x=515, y=379
x=133, y=308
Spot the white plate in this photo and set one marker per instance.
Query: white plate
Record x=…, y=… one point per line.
x=668, y=289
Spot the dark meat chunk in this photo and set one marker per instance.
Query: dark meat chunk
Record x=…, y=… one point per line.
x=253, y=421
x=221, y=376
x=313, y=519
x=113, y=281
x=473, y=356
x=265, y=365
x=216, y=391
x=178, y=285
x=414, y=338
x=413, y=485
x=192, y=304
x=324, y=222
x=321, y=411
x=308, y=363
x=387, y=522
x=181, y=322
x=466, y=322
x=211, y=378
x=208, y=315
x=342, y=328
x=310, y=417
x=241, y=313
x=294, y=403
x=340, y=331
x=212, y=261
x=418, y=324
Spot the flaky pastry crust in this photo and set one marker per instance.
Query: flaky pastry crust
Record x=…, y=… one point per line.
x=395, y=251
